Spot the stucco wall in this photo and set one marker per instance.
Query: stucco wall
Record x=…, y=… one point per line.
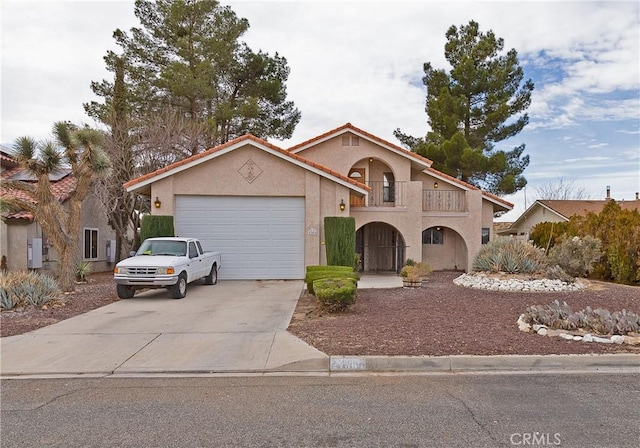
x=270, y=175
x=341, y=158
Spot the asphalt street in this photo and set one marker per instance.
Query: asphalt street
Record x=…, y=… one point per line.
x=364, y=410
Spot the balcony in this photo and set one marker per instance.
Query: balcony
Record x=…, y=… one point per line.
x=444, y=201
x=382, y=194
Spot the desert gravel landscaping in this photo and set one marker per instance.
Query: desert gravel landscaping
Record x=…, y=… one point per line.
x=444, y=319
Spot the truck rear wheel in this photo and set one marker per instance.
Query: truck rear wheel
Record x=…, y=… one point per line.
x=179, y=290
x=212, y=278
x=125, y=292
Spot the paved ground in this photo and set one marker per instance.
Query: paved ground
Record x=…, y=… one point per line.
x=235, y=326
x=232, y=327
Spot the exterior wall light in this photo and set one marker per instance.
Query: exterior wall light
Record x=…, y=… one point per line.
x=435, y=185
x=157, y=203
x=342, y=205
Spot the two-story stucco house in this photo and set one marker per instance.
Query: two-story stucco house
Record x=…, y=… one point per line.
x=263, y=206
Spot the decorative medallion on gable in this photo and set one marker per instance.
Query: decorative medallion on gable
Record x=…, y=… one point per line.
x=250, y=171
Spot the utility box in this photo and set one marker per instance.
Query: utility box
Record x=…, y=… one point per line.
x=34, y=253
x=110, y=251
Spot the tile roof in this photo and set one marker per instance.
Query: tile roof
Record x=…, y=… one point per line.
x=347, y=126
x=247, y=137
x=568, y=208
x=62, y=190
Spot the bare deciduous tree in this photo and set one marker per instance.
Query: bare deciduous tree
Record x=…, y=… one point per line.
x=562, y=189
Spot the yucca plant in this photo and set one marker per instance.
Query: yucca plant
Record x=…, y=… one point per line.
x=509, y=255
x=25, y=288
x=83, y=269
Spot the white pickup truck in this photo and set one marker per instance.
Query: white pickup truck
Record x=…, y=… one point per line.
x=168, y=262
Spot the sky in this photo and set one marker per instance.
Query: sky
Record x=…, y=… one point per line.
x=361, y=62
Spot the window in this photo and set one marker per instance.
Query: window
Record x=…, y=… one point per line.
x=193, y=252
x=433, y=235
x=345, y=140
x=485, y=235
x=388, y=188
x=355, y=141
x=90, y=244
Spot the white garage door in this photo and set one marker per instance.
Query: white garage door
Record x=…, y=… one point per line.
x=259, y=237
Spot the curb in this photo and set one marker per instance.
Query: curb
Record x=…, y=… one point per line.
x=626, y=363
x=466, y=363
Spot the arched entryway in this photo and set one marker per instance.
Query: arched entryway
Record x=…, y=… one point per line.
x=381, y=247
x=444, y=249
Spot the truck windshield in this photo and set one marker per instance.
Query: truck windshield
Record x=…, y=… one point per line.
x=160, y=247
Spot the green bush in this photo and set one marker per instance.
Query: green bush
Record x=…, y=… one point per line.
x=509, y=255
x=25, y=288
x=340, y=240
x=335, y=294
x=315, y=268
x=327, y=273
x=156, y=225
x=576, y=256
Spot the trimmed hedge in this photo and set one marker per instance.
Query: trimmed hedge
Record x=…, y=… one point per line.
x=329, y=267
x=335, y=294
x=340, y=240
x=156, y=225
x=312, y=276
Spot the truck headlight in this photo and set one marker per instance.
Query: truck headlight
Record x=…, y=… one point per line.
x=165, y=271
x=118, y=270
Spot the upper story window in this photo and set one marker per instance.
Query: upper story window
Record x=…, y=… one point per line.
x=433, y=235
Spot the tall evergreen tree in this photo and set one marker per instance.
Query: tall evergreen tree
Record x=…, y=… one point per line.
x=188, y=58
x=480, y=102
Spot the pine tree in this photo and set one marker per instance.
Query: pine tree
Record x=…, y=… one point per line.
x=480, y=102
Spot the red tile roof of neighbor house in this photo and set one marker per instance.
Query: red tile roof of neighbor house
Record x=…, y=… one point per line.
x=568, y=208
x=61, y=189
x=368, y=135
x=238, y=140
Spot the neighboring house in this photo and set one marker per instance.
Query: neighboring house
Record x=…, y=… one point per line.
x=263, y=207
x=23, y=241
x=559, y=211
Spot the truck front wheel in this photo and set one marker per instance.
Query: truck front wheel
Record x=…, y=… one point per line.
x=125, y=292
x=179, y=290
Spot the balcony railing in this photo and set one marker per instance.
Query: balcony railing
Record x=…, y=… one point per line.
x=383, y=194
x=444, y=201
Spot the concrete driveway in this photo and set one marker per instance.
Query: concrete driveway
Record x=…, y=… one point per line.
x=234, y=326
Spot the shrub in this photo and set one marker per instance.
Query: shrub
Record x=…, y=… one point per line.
x=25, y=288
x=83, y=269
x=340, y=240
x=315, y=268
x=335, y=294
x=598, y=321
x=415, y=271
x=156, y=225
x=312, y=276
x=509, y=255
x=410, y=262
x=555, y=272
x=576, y=256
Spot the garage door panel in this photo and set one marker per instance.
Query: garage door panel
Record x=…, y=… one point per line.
x=259, y=237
